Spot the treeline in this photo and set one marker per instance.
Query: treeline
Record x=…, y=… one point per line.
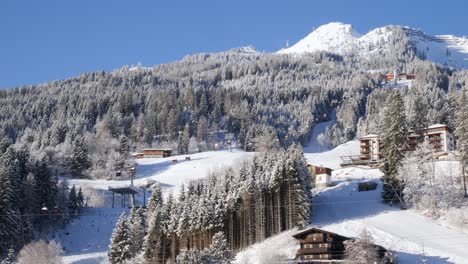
x=248, y=203
x=30, y=196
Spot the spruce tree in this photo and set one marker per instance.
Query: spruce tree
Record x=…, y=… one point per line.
x=80, y=198
x=461, y=133
x=79, y=160
x=394, y=143
x=120, y=247
x=218, y=250
x=72, y=200
x=419, y=121
x=10, y=258
x=152, y=244
x=137, y=226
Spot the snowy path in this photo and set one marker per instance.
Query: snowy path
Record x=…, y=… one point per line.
x=172, y=175
x=314, y=146
x=343, y=210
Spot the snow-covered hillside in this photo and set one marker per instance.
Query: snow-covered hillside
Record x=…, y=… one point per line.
x=344, y=39
x=344, y=210
x=86, y=238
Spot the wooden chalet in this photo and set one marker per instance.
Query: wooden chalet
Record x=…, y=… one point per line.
x=154, y=153
x=319, y=246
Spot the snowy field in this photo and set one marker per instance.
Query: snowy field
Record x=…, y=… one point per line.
x=339, y=209
x=344, y=210
x=86, y=239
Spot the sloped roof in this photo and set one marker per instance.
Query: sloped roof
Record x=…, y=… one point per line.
x=370, y=136
x=316, y=230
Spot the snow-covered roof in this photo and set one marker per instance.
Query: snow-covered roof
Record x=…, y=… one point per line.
x=163, y=149
x=437, y=126
x=370, y=136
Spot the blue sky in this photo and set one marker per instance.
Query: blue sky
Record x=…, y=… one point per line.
x=48, y=40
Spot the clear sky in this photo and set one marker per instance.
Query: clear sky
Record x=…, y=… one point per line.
x=43, y=40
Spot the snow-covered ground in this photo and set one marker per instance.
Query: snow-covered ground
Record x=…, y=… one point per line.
x=344, y=210
x=86, y=239
x=339, y=209
x=171, y=175
x=342, y=38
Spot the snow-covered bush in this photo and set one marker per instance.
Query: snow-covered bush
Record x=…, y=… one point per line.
x=457, y=217
x=41, y=252
x=361, y=251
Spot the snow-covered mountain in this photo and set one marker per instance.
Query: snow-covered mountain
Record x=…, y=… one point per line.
x=342, y=38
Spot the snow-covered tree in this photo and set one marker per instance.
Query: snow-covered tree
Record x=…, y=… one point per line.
x=120, y=246
x=361, y=251
x=321, y=139
x=462, y=134
x=218, y=250
x=152, y=244
x=10, y=258
x=41, y=252
x=394, y=143
x=137, y=229
x=79, y=162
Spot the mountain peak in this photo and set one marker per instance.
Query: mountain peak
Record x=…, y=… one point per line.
x=341, y=38
x=329, y=37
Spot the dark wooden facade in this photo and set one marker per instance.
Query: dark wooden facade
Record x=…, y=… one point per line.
x=155, y=153
x=316, y=170
x=319, y=245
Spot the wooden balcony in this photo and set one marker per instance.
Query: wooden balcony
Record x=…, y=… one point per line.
x=313, y=250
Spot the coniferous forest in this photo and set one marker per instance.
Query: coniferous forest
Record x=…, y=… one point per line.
x=246, y=203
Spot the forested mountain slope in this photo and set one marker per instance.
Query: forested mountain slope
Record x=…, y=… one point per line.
x=89, y=124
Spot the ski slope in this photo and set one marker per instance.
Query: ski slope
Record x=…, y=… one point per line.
x=344, y=210
x=86, y=238
x=171, y=175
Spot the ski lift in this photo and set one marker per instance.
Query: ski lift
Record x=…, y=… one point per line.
x=44, y=210
x=55, y=210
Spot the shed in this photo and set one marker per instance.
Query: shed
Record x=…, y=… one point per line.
x=367, y=186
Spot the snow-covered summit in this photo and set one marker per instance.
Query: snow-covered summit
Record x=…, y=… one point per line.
x=333, y=37
x=343, y=39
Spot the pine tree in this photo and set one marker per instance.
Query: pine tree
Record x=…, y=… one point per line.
x=218, y=250
x=153, y=243
x=419, y=121
x=72, y=200
x=120, y=247
x=9, y=222
x=62, y=200
x=461, y=133
x=137, y=227
x=394, y=142
x=80, y=198
x=79, y=160
x=45, y=185
x=10, y=258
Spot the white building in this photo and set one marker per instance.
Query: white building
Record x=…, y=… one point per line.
x=321, y=176
x=370, y=147
x=440, y=137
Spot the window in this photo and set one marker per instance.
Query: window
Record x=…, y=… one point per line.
x=323, y=245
